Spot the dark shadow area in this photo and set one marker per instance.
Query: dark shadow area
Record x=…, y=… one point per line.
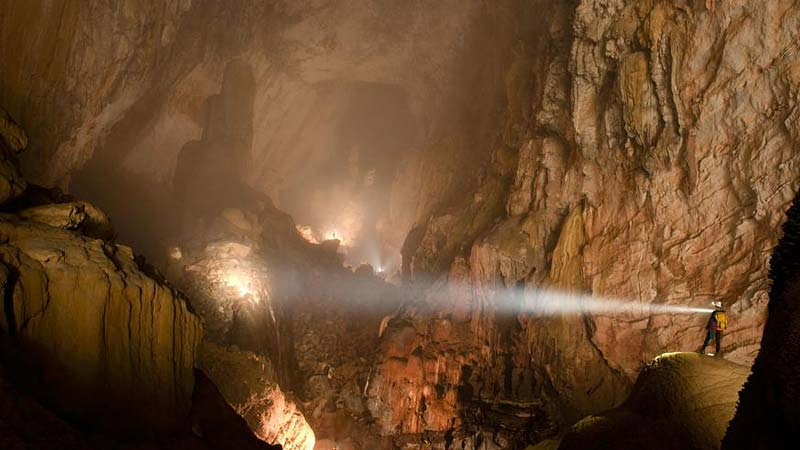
x=768, y=414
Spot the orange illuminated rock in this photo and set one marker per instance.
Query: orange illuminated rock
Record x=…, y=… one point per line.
x=249, y=384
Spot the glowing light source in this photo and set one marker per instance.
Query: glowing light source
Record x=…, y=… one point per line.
x=241, y=282
x=332, y=234
x=175, y=253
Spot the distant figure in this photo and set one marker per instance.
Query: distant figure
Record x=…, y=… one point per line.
x=716, y=325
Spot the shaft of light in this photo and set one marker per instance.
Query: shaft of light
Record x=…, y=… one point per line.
x=448, y=294
x=550, y=302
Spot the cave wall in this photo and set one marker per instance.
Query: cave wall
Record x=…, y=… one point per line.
x=658, y=164
x=116, y=112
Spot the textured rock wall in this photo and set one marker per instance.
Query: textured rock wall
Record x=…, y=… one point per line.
x=68, y=82
x=657, y=167
x=248, y=383
x=110, y=341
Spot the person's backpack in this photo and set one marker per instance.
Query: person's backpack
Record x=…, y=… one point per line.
x=722, y=320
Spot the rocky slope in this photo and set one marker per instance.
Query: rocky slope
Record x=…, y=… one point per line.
x=692, y=396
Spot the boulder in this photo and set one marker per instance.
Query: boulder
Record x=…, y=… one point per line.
x=75, y=215
x=680, y=400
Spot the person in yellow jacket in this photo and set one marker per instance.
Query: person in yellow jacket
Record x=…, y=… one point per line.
x=717, y=323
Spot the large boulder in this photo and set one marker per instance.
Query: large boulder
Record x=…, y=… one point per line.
x=108, y=344
x=680, y=401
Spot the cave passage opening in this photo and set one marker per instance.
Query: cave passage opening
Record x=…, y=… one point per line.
x=356, y=137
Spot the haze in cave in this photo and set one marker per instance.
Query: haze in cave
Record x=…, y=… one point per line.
x=385, y=225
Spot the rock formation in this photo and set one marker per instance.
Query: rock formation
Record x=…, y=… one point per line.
x=91, y=333
x=248, y=383
x=14, y=140
x=657, y=167
x=693, y=396
x=97, y=329
x=84, y=311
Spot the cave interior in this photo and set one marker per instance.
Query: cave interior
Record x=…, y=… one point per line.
x=383, y=225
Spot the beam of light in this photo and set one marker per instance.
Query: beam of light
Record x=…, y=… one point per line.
x=545, y=302
x=429, y=296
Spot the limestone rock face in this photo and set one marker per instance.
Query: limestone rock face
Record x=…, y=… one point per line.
x=110, y=342
x=100, y=349
x=638, y=151
x=14, y=137
x=694, y=199
x=656, y=168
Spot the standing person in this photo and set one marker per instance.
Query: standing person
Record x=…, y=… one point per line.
x=714, y=328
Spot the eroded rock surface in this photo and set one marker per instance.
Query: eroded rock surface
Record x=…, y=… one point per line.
x=101, y=331
x=97, y=350
x=12, y=140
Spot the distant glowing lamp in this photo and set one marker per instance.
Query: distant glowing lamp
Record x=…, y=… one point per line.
x=240, y=282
